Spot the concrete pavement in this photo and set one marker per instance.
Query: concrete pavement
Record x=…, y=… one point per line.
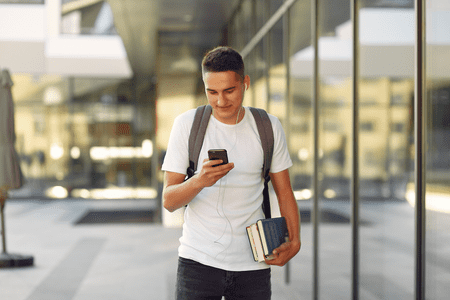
x=135, y=261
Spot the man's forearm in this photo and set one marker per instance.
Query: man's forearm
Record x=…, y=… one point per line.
x=289, y=210
x=177, y=192
x=180, y=194
x=288, y=205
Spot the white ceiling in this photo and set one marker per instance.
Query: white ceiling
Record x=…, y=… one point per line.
x=139, y=22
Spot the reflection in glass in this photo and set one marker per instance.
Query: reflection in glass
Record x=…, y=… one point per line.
x=87, y=17
x=94, y=139
x=385, y=108
x=437, y=197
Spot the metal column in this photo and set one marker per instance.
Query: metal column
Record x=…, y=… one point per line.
x=267, y=42
x=315, y=211
x=419, y=157
x=288, y=98
x=355, y=146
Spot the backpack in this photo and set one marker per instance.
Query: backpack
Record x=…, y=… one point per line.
x=197, y=134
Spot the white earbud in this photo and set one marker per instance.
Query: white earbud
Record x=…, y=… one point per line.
x=245, y=86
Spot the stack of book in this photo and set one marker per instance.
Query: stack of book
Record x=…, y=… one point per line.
x=266, y=235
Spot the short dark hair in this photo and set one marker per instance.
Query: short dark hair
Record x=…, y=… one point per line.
x=222, y=59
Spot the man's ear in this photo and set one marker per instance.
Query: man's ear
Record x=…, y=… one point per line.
x=247, y=82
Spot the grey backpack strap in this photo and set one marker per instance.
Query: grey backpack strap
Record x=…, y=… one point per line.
x=198, y=130
x=267, y=141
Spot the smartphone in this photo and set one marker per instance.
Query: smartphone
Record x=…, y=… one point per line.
x=214, y=154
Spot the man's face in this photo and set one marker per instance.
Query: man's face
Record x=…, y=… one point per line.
x=225, y=93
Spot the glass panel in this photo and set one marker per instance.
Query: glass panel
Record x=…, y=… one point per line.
x=256, y=58
x=301, y=145
x=334, y=154
x=438, y=158
x=83, y=134
x=245, y=16
x=238, y=38
x=386, y=89
x=256, y=95
x=277, y=73
x=91, y=18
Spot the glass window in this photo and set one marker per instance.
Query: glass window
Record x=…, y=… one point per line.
x=437, y=153
x=84, y=134
x=386, y=141
x=335, y=156
x=94, y=18
x=386, y=89
x=301, y=139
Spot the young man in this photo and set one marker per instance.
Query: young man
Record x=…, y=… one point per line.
x=215, y=258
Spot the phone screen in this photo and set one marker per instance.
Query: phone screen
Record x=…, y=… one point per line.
x=214, y=154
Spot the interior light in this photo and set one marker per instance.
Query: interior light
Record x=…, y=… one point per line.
x=58, y=192
x=104, y=153
x=329, y=193
x=127, y=152
x=56, y=151
x=75, y=152
x=52, y=95
x=303, y=154
x=81, y=193
x=99, y=153
x=113, y=152
x=304, y=194
x=145, y=193
x=117, y=193
x=147, y=148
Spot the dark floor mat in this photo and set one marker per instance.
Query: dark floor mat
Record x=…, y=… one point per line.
x=327, y=216
x=147, y=216
x=116, y=216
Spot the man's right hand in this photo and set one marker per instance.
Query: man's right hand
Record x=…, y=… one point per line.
x=210, y=173
x=178, y=192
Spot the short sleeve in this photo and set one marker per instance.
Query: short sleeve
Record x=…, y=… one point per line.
x=177, y=154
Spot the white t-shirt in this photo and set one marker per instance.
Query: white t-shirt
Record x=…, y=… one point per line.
x=215, y=221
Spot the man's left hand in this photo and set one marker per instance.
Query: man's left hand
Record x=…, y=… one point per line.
x=283, y=254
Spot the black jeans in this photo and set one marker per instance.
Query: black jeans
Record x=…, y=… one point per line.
x=196, y=281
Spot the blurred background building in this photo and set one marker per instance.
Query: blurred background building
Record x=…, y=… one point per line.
x=97, y=85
